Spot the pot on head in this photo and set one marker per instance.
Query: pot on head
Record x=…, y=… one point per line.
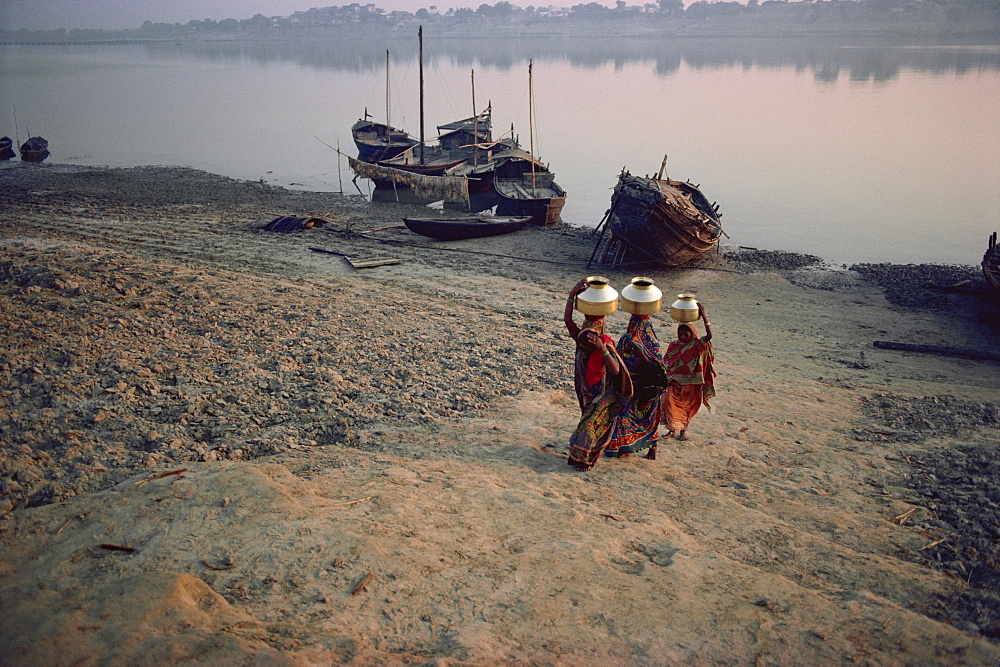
x=598, y=299
x=641, y=297
x=685, y=309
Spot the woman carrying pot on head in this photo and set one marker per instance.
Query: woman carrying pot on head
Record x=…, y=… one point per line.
x=635, y=429
x=689, y=361
x=599, y=376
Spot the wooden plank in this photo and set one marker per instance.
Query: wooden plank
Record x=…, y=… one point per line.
x=373, y=261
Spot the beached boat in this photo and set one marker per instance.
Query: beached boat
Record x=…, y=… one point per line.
x=34, y=149
x=991, y=265
x=454, y=229
x=457, y=143
x=659, y=220
x=378, y=141
x=6, y=148
x=525, y=186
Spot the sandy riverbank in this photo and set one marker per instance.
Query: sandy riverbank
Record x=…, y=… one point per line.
x=406, y=426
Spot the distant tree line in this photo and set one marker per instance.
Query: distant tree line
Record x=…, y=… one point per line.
x=978, y=17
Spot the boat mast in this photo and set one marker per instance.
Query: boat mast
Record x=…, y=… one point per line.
x=531, y=128
x=388, y=120
x=420, y=39
x=475, y=124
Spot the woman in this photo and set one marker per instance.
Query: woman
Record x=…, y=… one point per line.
x=601, y=384
x=636, y=427
x=691, y=376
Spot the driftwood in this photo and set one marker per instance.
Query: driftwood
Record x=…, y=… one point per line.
x=228, y=566
x=938, y=349
x=361, y=263
x=364, y=582
x=348, y=502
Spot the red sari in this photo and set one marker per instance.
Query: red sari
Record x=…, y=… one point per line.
x=588, y=370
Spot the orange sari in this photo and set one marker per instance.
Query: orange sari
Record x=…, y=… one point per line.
x=691, y=372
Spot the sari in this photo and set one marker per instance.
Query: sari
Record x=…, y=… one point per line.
x=588, y=369
x=635, y=429
x=597, y=422
x=691, y=371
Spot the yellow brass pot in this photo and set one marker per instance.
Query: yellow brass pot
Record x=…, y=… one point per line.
x=641, y=297
x=685, y=309
x=598, y=299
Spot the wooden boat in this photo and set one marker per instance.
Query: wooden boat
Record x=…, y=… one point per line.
x=524, y=186
x=35, y=149
x=457, y=144
x=991, y=265
x=455, y=229
x=428, y=169
x=659, y=220
x=378, y=141
x=6, y=148
x=461, y=133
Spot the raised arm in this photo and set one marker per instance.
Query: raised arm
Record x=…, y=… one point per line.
x=708, y=327
x=571, y=326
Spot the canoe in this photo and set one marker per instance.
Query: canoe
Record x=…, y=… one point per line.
x=525, y=186
x=455, y=229
x=660, y=221
x=991, y=265
x=34, y=149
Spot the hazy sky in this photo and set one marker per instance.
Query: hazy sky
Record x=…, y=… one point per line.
x=112, y=14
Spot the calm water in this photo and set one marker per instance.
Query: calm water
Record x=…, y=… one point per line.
x=854, y=154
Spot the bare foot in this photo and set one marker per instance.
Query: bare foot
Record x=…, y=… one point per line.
x=651, y=454
x=682, y=436
x=583, y=468
x=624, y=455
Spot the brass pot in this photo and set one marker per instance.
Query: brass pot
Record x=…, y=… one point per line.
x=685, y=309
x=598, y=299
x=641, y=297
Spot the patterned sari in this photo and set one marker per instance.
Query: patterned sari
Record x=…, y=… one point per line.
x=588, y=373
x=635, y=429
x=691, y=371
x=600, y=413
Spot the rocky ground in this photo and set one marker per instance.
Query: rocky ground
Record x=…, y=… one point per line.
x=150, y=327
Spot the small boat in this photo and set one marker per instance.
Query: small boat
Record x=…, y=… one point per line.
x=6, y=148
x=526, y=187
x=991, y=265
x=456, y=229
x=34, y=149
x=378, y=141
x=659, y=220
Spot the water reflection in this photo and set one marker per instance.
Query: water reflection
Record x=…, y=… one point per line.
x=827, y=61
